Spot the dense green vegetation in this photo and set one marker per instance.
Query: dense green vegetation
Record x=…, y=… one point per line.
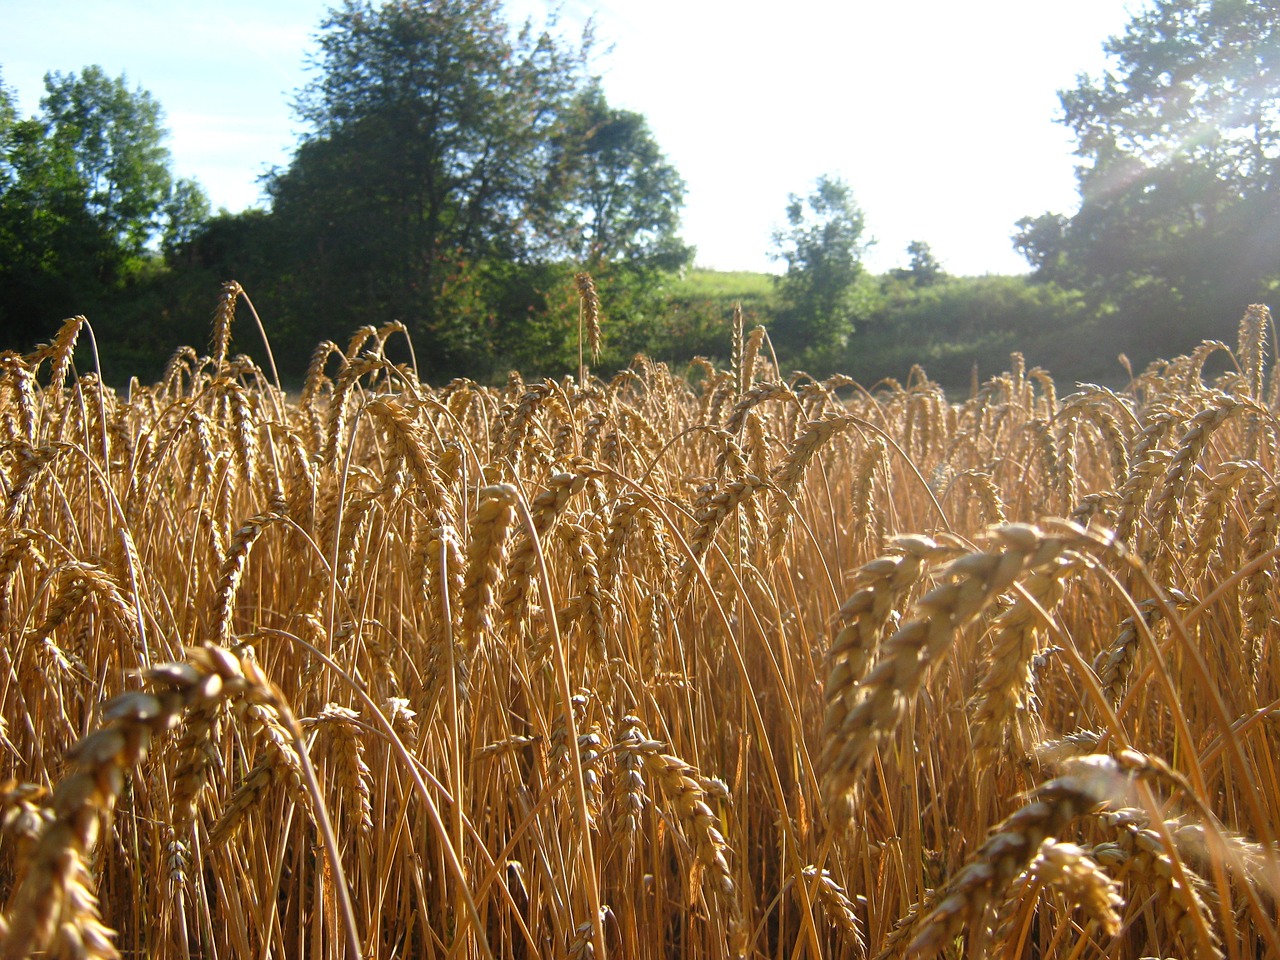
x=456, y=174
x=1179, y=178
x=948, y=325
x=88, y=205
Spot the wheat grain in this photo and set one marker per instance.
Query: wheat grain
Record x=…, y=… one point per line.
x=968, y=585
x=486, y=553
x=680, y=784
x=1256, y=602
x=1004, y=692
x=489, y=799
x=1008, y=850
x=589, y=300
x=1114, y=663
x=838, y=908
x=54, y=896
x=1139, y=853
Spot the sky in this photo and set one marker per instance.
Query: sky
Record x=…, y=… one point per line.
x=939, y=115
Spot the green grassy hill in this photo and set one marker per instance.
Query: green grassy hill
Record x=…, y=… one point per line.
x=700, y=283
x=699, y=305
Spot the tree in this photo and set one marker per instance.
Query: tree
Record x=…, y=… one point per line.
x=1180, y=180
x=612, y=208
x=924, y=268
x=430, y=134
x=184, y=211
x=115, y=141
x=454, y=172
x=823, y=248
x=616, y=197
x=8, y=117
x=54, y=257
x=85, y=193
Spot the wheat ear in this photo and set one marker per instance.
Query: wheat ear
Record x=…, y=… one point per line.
x=1005, y=690
x=969, y=585
x=1009, y=849
x=880, y=587
x=839, y=909
x=54, y=895
x=486, y=553
x=223, y=315
x=1138, y=853
x=683, y=787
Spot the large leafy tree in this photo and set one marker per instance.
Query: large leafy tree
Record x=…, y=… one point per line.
x=86, y=194
x=430, y=125
x=822, y=246
x=611, y=206
x=450, y=164
x=614, y=194
x=1180, y=176
x=114, y=140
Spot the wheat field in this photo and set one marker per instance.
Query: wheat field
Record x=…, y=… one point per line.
x=706, y=663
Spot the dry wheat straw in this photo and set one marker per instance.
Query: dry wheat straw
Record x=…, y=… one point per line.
x=232, y=572
x=1003, y=697
x=32, y=464
x=408, y=445
x=1169, y=497
x=123, y=535
x=1138, y=853
x=1146, y=464
x=442, y=565
x=54, y=899
x=628, y=796
x=751, y=358
x=1009, y=849
x=981, y=486
x=757, y=442
x=968, y=585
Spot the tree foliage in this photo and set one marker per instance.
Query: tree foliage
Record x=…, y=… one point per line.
x=822, y=246
x=923, y=269
x=114, y=141
x=8, y=117
x=1179, y=181
x=449, y=162
x=618, y=198
x=428, y=129
x=86, y=193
